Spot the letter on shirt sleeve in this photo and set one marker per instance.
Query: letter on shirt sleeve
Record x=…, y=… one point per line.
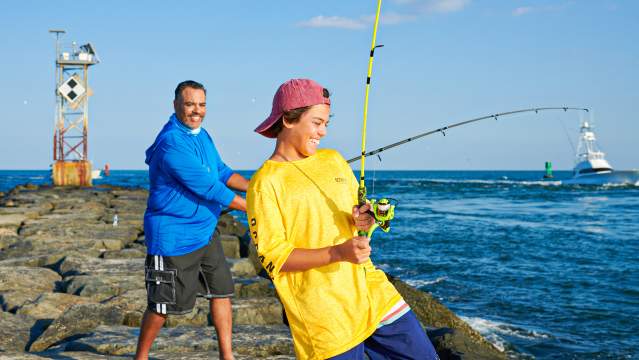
x=187, y=170
x=267, y=232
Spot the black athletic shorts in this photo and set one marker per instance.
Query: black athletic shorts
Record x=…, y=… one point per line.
x=173, y=282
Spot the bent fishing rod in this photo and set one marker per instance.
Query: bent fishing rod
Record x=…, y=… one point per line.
x=383, y=210
x=443, y=130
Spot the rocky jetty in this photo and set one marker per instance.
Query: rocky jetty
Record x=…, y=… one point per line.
x=72, y=286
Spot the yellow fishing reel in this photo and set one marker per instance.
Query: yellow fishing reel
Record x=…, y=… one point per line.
x=383, y=211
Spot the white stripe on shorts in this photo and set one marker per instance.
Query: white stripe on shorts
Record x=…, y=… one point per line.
x=158, y=307
x=157, y=267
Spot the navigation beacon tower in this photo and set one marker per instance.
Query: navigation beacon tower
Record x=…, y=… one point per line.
x=70, y=146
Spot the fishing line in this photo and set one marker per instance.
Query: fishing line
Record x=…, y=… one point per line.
x=563, y=125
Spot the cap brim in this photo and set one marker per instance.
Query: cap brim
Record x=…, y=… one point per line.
x=265, y=127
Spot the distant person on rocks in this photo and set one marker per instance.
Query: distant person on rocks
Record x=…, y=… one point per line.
x=189, y=186
x=304, y=225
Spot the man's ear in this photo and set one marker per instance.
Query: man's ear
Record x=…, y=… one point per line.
x=175, y=105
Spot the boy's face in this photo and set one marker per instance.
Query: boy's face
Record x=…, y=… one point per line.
x=304, y=136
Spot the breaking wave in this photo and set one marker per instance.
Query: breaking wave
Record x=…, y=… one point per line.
x=494, y=331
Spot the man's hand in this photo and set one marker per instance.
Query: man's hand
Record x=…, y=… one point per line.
x=362, y=217
x=356, y=250
x=238, y=203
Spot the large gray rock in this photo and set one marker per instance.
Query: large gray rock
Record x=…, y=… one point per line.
x=72, y=355
x=32, y=211
x=14, y=332
x=86, y=265
x=43, y=260
x=101, y=287
x=42, y=245
x=78, y=319
x=102, y=279
x=132, y=304
x=12, y=222
x=227, y=224
x=130, y=253
x=242, y=268
x=254, y=287
x=21, y=284
x=8, y=238
x=246, y=311
x=230, y=246
x=77, y=227
x=125, y=217
x=51, y=305
x=433, y=314
x=45, y=245
x=257, y=311
x=452, y=344
x=248, y=340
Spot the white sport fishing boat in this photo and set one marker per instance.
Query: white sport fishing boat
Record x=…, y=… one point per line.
x=591, y=166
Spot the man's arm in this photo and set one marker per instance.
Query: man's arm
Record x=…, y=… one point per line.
x=237, y=182
x=183, y=166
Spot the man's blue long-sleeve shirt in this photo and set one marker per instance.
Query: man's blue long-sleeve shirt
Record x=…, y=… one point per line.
x=187, y=190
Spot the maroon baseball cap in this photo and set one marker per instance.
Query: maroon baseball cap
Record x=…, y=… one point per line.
x=293, y=94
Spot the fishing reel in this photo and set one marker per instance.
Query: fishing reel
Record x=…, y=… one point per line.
x=383, y=211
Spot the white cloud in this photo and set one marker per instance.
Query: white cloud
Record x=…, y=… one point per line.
x=522, y=10
x=445, y=6
x=404, y=2
x=553, y=8
x=396, y=18
x=390, y=18
x=333, y=22
x=340, y=22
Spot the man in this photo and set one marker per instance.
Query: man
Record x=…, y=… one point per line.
x=189, y=186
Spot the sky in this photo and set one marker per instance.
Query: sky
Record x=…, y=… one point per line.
x=443, y=61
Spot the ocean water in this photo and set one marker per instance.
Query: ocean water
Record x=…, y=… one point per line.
x=543, y=270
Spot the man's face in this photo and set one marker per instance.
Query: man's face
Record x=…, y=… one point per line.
x=190, y=107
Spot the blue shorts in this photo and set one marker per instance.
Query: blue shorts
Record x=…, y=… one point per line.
x=403, y=339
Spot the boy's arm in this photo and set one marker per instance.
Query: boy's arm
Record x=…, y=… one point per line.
x=356, y=250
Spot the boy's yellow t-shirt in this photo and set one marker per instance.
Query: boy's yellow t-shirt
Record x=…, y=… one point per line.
x=308, y=204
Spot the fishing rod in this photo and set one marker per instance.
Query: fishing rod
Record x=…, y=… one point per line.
x=443, y=130
x=362, y=186
x=383, y=210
